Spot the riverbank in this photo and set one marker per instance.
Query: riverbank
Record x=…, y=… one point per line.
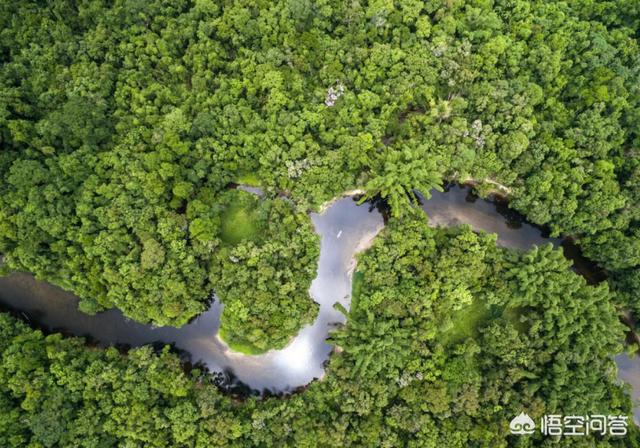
x=349, y=193
x=500, y=189
x=345, y=228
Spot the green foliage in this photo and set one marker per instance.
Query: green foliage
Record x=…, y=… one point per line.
x=400, y=174
x=249, y=179
x=451, y=328
x=240, y=220
x=626, y=285
x=115, y=117
x=465, y=322
x=263, y=273
x=122, y=123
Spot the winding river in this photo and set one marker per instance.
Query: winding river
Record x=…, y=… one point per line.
x=345, y=229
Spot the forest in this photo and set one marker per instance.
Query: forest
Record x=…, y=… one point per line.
x=123, y=125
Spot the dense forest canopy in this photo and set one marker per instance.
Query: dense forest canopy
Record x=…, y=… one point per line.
x=262, y=271
x=122, y=124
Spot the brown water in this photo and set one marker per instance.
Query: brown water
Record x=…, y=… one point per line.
x=345, y=228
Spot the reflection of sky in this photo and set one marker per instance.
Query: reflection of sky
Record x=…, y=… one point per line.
x=628, y=369
x=343, y=227
x=451, y=208
x=296, y=356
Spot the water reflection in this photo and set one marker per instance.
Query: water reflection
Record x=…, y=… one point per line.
x=458, y=205
x=344, y=228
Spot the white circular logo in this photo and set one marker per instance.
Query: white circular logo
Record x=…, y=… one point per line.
x=522, y=424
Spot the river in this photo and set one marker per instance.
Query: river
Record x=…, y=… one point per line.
x=345, y=229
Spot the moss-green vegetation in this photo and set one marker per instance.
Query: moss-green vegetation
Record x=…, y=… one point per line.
x=470, y=319
x=465, y=322
x=114, y=124
x=239, y=220
x=239, y=344
x=122, y=123
x=250, y=179
x=356, y=286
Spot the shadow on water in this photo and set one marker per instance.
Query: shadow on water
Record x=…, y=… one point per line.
x=378, y=204
x=459, y=204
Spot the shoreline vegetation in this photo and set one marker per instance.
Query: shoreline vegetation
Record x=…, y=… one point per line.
x=119, y=212
x=451, y=245
x=409, y=267
x=502, y=190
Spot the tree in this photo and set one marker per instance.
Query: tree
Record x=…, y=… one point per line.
x=399, y=174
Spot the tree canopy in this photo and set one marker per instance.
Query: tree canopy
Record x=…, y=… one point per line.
x=116, y=116
x=262, y=274
x=123, y=123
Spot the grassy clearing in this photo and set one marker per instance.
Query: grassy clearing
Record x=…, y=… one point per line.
x=239, y=222
x=513, y=316
x=356, y=288
x=249, y=179
x=467, y=321
x=238, y=344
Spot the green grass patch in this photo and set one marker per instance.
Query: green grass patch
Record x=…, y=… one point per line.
x=238, y=344
x=466, y=321
x=356, y=288
x=249, y=179
x=239, y=222
x=513, y=316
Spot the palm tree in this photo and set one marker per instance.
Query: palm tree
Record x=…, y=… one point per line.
x=399, y=173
